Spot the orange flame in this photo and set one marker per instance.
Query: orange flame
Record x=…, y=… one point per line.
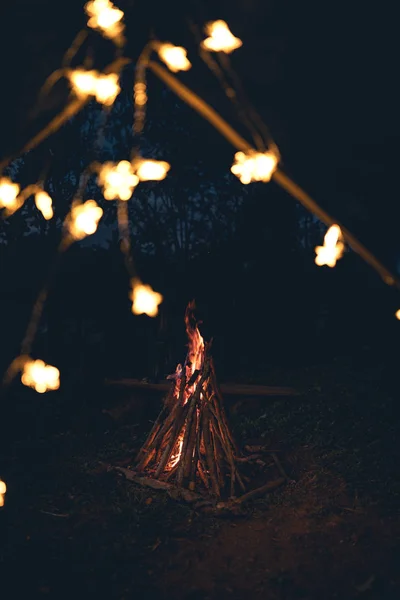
x=194, y=362
x=196, y=344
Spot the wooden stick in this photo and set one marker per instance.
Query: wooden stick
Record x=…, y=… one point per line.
x=202, y=474
x=279, y=465
x=218, y=455
x=272, y=485
x=191, y=461
x=188, y=427
x=208, y=449
x=152, y=434
x=172, y=441
x=219, y=406
x=201, y=464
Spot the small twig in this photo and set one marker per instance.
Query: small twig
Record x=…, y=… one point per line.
x=272, y=485
x=64, y=515
x=279, y=465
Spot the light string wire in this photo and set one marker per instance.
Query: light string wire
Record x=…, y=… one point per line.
x=230, y=92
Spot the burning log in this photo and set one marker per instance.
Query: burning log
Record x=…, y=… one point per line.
x=191, y=446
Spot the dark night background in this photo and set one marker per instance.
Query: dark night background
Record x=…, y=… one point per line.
x=324, y=79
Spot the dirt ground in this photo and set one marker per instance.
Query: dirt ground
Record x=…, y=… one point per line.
x=72, y=528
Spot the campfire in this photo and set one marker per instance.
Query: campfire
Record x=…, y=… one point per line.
x=191, y=443
x=190, y=448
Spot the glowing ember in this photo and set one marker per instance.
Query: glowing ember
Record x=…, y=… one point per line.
x=8, y=193
x=254, y=166
x=105, y=17
x=39, y=376
x=221, y=39
x=332, y=249
x=44, y=204
x=174, y=57
x=176, y=454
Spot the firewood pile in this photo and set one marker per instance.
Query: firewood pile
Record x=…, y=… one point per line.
x=190, y=450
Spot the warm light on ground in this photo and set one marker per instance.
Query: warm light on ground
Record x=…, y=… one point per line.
x=39, y=376
x=118, y=180
x=333, y=248
x=145, y=300
x=220, y=38
x=254, y=166
x=8, y=193
x=84, y=219
x=44, y=204
x=174, y=57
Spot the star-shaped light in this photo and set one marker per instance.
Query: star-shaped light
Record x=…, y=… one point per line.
x=8, y=193
x=105, y=88
x=3, y=489
x=105, y=17
x=39, y=376
x=44, y=204
x=84, y=219
x=254, y=166
x=220, y=38
x=151, y=170
x=118, y=180
x=174, y=57
x=332, y=249
x=144, y=299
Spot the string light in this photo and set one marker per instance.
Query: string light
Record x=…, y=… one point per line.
x=140, y=93
x=39, y=376
x=44, y=204
x=118, y=180
x=174, y=57
x=332, y=249
x=105, y=88
x=84, y=219
x=152, y=170
x=3, y=489
x=144, y=299
x=220, y=38
x=8, y=193
x=254, y=166
x=105, y=17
